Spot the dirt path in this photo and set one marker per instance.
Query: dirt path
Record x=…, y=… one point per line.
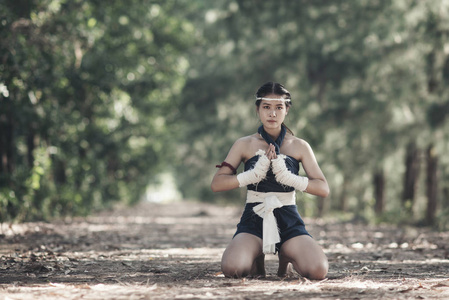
x=159, y=251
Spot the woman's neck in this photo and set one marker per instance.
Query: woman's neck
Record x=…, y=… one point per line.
x=273, y=132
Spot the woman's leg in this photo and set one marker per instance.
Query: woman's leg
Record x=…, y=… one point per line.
x=243, y=257
x=306, y=256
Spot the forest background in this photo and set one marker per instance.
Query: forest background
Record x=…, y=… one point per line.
x=99, y=99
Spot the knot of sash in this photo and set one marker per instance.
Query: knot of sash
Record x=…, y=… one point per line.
x=278, y=142
x=268, y=203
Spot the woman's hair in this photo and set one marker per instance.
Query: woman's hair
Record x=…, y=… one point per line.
x=274, y=88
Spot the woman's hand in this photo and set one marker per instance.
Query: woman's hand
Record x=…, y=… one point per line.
x=258, y=173
x=285, y=177
x=271, y=152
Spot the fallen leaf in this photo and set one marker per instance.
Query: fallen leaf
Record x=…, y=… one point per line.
x=56, y=284
x=405, y=289
x=128, y=264
x=441, y=284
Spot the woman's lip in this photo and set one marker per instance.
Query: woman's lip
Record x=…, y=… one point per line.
x=271, y=121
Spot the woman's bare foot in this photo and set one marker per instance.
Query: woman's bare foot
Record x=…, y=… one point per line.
x=258, y=268
x=285, y=267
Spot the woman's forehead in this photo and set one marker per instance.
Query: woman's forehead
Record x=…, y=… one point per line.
x=277, y=99
x=274, y=102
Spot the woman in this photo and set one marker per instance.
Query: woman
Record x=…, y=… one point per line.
x=270, y=222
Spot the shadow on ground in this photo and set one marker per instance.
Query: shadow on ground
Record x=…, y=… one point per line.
x=173, y=251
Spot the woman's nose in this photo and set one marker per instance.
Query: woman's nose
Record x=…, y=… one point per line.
x=273, y=113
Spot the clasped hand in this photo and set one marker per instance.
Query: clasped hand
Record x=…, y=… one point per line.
x=282, y=174
x=271, y=152
x=268, y=159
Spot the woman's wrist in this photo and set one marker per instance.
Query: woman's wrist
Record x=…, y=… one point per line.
x=285, y=177
x=258, y=173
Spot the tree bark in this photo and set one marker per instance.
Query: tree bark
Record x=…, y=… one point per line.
x=432, y=185
x=412, y=168
x=322, y=207
x=6, y=140
x=59, y=171
x=30, y=148
x=9, y=145
x=379, y=192
x=344, y=195
x=2, y=145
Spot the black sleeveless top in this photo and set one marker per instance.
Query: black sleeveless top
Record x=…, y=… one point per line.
x=269, y=184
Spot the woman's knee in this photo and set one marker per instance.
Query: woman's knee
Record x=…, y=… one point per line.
x=235, y=269
x=239, y=256
x=307, y=257
x=317, y=270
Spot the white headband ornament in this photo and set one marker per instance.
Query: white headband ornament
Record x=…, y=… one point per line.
x=274, y=99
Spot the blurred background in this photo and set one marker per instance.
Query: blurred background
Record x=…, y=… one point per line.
x=118, y=101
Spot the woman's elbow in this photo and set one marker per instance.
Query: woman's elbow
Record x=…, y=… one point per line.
x=318, y=188
x=325, y=191
x=321, y=190
x=215, y=187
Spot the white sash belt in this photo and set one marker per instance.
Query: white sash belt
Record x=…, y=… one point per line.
x=268, y=202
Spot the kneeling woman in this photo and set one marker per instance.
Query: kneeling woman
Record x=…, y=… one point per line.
x=270, y=222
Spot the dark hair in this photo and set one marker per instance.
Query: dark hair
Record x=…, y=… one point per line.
x=275, y=89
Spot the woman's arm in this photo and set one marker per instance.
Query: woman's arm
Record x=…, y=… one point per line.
x=224, y=179
x=317, y=182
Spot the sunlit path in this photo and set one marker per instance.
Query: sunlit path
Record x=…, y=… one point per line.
x=168, y=251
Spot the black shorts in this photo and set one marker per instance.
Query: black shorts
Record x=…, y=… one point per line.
x=289, y=222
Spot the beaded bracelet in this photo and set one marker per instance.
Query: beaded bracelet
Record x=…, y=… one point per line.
x=225, y=164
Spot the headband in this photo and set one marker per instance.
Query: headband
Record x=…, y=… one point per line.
x=274, y=99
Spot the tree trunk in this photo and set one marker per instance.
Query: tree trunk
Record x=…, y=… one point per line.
x=2, y=145
x=59, y=171
x=412, y=168
x=445, y=202
x=343, y=196
x=9, y=145
x=432, y=185
x=30, y=148
x=6, y=138
x=322, y=207
x=379, y=191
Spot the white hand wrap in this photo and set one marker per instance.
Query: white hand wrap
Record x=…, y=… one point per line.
x=258, y=173
x=285, y=177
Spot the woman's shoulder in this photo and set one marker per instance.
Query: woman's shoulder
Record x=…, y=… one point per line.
x=248, y=140
x=247, y=146
x=296, y=141
x=296, y=147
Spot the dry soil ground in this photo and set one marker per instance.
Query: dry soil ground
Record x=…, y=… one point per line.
x=173, y=251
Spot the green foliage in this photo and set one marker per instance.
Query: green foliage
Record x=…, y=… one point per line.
x=366, y=77
x=87, y=90
x=97, y=97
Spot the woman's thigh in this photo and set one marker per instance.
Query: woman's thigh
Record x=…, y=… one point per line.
x=240, y=254
x=306, y=255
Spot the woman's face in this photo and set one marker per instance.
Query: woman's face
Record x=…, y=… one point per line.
x=272, y=112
